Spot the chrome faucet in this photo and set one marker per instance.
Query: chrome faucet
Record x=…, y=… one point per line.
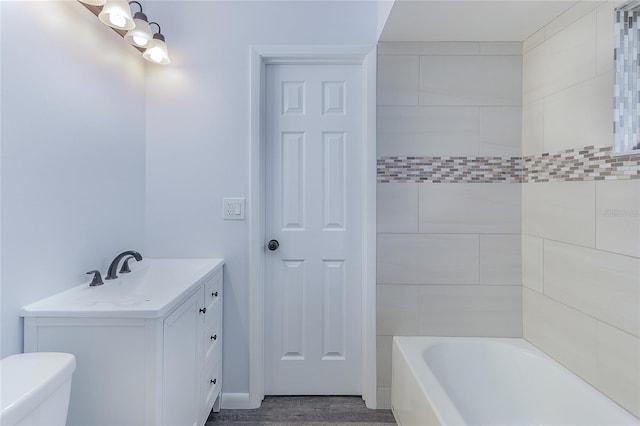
x=111, y=274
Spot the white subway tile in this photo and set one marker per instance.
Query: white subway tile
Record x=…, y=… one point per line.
x=532, y=263
x=562, y=332
x=471, y=80
x=428, y=131
x=533, y=41
x=428, y=259
x=428, y=48
x=618, y=374
x=533, y=128
x=470, y=311
x=501, y=48
x=501, y=131
x=397, y=210
x=397, y=310
x=567, y=111
x=383, y=359
x=570, y=16
x=398, y=80
x=618, y=216
x=384, y=399
x=500, y=259
x=566, y=59
x=606, y=40
x=470, y=208
x=563, y=211
x=603, y=285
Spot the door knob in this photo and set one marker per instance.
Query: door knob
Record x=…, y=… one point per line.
x=273, y=245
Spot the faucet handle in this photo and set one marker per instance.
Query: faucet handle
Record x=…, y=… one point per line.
x=97, y=278
x=125, y=266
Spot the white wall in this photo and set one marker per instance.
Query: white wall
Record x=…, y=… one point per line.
x=384, y=9
x=198, y=132
x=581, y=238
x=73, y=161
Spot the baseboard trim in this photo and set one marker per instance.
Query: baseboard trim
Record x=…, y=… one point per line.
x=237, y=401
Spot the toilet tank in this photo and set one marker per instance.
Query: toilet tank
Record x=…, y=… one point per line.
x=35, y=388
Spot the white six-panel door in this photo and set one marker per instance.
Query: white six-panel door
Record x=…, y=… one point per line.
x=313, y=303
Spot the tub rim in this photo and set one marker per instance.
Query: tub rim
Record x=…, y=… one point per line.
x=442, y=405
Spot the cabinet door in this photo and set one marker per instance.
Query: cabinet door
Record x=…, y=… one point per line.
x=182, y=362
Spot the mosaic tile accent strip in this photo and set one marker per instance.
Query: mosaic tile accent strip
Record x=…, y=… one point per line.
x=589, y=163
x=627, y=90
x=449, y=169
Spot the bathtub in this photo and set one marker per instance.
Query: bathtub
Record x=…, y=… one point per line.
x=483, y=381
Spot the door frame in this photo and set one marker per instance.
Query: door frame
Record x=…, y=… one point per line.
x=260, y=57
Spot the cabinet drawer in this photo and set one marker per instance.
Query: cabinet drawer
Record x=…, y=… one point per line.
x=212, y=383
x=213, y=343
x=213, y=289
x=213, y=319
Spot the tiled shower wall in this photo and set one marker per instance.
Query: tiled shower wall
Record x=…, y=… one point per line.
x=449, y=197
x=581, y=226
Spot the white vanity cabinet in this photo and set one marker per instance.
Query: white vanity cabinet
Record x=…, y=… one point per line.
x=139, y=366
x=192, y=356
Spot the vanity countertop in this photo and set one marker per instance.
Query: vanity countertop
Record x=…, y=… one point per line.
x=151, y=290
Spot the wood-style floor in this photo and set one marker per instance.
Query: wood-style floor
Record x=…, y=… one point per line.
x=306, y=411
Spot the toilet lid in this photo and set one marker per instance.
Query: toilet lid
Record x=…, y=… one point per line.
x=27, y=379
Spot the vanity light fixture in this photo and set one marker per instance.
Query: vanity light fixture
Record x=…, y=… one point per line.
x=157, y=52
x=139, y=36
x=136, y=29
x=117, y=14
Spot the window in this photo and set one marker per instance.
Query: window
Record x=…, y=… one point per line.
x=627, y=87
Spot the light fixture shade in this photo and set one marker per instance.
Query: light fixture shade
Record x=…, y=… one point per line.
x=117, y=14
x=141, y=35
x=157, y=52
x=93, y=2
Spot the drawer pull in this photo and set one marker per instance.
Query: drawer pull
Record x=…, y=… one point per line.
x=214, y=294
x=213, y=382
x=203, y=310
x=214, y=337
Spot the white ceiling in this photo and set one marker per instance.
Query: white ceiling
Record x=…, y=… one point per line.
x=469, y=20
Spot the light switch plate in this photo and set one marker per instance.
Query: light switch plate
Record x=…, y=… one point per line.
x=233, y=208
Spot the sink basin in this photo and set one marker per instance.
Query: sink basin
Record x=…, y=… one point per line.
x=150, y=290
